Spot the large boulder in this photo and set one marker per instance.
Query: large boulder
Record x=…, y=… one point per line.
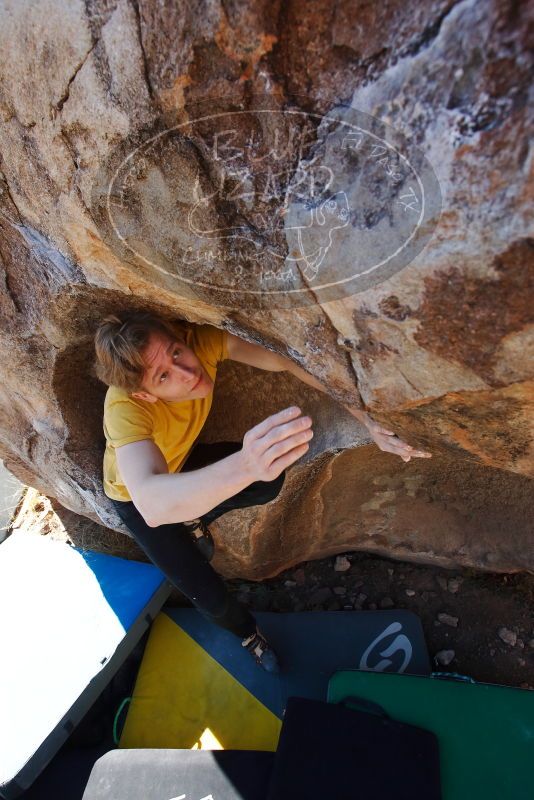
x=209, y=162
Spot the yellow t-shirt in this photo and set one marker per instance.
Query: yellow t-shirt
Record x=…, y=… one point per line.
x=173, y=426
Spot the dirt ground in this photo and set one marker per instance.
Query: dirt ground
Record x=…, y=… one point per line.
x=476, y=624
x=480, y=608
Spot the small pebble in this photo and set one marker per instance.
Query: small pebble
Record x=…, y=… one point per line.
x=372, y=606
x=521, y=662
x=531, y=643
x=448, y=619
x=520, y=643
x=290, y=584
x=390, y=572
x=453, y=585
x=347, y=607
x=442, y=582
x=362, y=598
x=410, y=592
x=342, y=564
x=386, y=602
x=492, y=652
x=507, y=636
x=340, y=591
x=444, y=657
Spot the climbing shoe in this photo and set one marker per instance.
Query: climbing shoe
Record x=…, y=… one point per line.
x=262, y=652
x=200, y=534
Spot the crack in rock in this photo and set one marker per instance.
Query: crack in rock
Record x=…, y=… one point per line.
x=65, y=96
x=135, y=6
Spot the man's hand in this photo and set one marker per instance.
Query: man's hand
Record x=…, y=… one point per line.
x=386, y=439
x=275, y=444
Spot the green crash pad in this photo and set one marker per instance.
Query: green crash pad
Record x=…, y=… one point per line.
x=485, y=732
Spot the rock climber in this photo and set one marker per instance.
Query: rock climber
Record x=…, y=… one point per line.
x=166, y=489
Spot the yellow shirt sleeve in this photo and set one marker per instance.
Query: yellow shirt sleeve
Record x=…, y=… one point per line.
x=210, y=344
x=126, y=421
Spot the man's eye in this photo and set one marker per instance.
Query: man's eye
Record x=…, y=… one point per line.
x=164, y=374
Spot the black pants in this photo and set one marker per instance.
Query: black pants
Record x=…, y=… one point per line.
x=172, y=549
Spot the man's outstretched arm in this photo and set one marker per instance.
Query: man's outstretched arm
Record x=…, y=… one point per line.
x=255, y=355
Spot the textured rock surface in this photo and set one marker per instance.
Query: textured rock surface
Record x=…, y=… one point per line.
x=442, y=350
x=346, y=494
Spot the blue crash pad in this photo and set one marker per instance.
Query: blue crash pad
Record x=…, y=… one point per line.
x=312, y=645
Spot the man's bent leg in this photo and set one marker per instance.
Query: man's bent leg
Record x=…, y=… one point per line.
x=172, y=550
x=257, y=493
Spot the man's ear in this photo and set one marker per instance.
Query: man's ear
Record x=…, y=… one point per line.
x=150, y=398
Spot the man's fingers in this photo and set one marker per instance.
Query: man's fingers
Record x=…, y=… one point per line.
x=417, y=454
x=408, y=449
x=398, y=445
x=289, y=458
x=294, y=427
x=405, y=451
x=405, y=445
x=395, y=440
x=290, y=442
x=285, y=415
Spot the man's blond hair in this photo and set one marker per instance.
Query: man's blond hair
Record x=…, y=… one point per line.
x=120, y=341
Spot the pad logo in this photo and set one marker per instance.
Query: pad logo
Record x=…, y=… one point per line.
x=400, y=644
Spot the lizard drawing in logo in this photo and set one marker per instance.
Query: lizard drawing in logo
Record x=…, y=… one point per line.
x=309, y=229
x=314, y=236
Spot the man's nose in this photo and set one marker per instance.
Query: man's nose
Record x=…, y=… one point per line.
x=186, y=374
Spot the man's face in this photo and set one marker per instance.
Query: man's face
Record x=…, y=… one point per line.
x=173, y=372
